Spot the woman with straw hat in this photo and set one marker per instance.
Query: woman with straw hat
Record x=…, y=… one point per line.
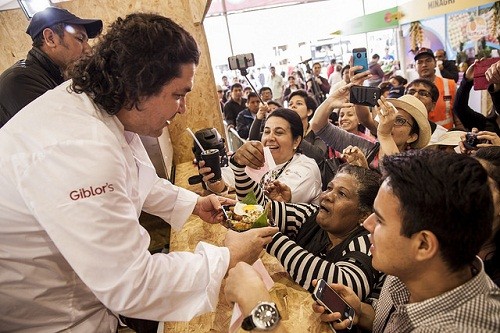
x=403, y=125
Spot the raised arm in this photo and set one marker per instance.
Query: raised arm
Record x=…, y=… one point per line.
x=365, y=118
x=315, y=150
x=493, y=76
x=260, y=118
x=339, y=99
x=384, y=131
x=461, y=108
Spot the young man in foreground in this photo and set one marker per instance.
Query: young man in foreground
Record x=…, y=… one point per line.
x=432, y=214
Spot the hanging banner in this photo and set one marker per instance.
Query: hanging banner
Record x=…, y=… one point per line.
x=384, y=19
x=416, y=10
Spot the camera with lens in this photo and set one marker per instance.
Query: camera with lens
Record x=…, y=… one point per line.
x=471, y=141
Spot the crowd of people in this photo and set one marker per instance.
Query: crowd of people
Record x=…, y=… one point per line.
x=416, y=136
x=406, y=227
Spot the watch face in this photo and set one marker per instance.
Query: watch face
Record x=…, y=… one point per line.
x=265, y=316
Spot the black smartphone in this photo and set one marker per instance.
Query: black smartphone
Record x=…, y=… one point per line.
x=359, y=58
x=241, y=61
x=362, y=95
x=327, y=297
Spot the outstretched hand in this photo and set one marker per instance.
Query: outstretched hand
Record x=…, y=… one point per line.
x=246, y=246
x=359, y=78
x=387, y=116
x=278, y=191
x=354, y=156
x=340, y=97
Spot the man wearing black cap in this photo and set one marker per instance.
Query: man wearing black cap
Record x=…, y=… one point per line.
x=425, y=63
x=59, y=39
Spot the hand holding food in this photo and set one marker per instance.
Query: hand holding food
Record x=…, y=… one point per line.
x=246, y=214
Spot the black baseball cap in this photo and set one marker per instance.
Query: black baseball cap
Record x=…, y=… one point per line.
x=423, y=51
x=53, y=15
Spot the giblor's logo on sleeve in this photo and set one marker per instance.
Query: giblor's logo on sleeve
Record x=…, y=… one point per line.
x=92, y=191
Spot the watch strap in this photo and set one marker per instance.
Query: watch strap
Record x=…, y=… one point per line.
x=247, y=323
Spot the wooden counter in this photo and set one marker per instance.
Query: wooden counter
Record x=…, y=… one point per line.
x=293, y=301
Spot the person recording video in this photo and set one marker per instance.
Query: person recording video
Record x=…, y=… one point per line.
x=318, y=85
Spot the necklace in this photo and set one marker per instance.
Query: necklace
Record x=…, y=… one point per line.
x=272, y=175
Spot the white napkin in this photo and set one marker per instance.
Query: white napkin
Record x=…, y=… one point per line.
x=269, y=164
x=237, y=317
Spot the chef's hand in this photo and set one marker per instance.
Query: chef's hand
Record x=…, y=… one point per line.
x=247, y=245
x=245, y=275
x=209, y=208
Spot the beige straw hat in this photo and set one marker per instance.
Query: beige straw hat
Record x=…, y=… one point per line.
x=451, y=138
x=417, y=110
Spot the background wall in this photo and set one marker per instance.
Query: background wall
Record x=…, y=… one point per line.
x=202, y=104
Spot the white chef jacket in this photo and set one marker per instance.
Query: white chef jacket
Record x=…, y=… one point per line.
x=72, y=251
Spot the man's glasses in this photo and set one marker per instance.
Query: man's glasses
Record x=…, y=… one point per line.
x=400, y=121
x=423, y=93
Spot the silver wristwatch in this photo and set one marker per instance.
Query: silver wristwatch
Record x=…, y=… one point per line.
x=264, y=317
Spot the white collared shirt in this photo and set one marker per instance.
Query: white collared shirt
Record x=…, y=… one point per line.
x=72, y=251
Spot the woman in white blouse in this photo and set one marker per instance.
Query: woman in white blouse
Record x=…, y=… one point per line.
x=282, y=135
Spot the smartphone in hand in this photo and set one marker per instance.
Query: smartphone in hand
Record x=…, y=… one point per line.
x=324, y=295
x=359, y=58
x=362, y=95
x=480, y=68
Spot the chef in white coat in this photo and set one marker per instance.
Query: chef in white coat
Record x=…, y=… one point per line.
x=74, y=177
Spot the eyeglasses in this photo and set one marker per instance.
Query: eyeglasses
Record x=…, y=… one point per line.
x=400, y=121
x=423, y=93
x=219, y=91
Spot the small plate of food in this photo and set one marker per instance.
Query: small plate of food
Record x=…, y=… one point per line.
x=245, y=214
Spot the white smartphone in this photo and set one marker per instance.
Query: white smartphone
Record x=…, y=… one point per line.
x=241, y=61
x=327, y=297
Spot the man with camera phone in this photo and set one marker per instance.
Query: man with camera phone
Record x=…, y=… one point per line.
x=425, y=237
